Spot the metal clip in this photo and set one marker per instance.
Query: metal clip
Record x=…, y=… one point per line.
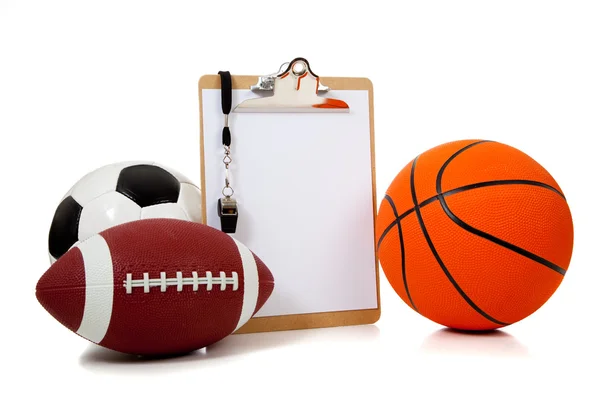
x=228, y=213
x=294, y=88
x=267, y=83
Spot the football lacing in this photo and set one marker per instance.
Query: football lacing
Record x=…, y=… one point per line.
x=195, y=281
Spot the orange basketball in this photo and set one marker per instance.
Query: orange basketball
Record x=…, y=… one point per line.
x=474, y=235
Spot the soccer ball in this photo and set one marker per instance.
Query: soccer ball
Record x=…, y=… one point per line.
x=119, y=193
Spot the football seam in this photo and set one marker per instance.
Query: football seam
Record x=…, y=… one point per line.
x=179, y=281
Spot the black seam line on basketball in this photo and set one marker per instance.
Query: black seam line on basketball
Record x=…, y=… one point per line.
x=401, y=217
x=464, y=189
x=485, y=235
x=437, y=256
x=401, y=239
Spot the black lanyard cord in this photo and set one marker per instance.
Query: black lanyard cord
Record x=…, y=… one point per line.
x=227, y=206
x=226, y=104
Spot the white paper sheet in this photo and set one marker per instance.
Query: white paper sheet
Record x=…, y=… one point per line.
x=304, y=190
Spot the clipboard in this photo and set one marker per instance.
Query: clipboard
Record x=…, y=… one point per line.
x=303, y=169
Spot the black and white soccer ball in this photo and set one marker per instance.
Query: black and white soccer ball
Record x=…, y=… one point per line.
x=119, y=193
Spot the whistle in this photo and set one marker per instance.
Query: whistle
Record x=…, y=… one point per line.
x=228, y=213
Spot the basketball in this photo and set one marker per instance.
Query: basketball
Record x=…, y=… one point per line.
x=474, y=235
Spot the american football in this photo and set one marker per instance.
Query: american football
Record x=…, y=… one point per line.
x=156, y=287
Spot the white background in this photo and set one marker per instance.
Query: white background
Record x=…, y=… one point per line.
x=85, y=84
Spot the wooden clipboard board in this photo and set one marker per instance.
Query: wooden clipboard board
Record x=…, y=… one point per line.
x=310, y=319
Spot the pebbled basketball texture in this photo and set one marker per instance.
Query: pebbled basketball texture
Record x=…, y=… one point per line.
x=474, y=235
x=155, y=287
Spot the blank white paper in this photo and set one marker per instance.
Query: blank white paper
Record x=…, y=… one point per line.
x=305, y=195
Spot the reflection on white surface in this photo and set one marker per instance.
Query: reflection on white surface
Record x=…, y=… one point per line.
x=231, y=348
x=494, y=343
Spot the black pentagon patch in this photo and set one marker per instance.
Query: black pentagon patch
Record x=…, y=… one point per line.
x=65, y=227
x=148, y=185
